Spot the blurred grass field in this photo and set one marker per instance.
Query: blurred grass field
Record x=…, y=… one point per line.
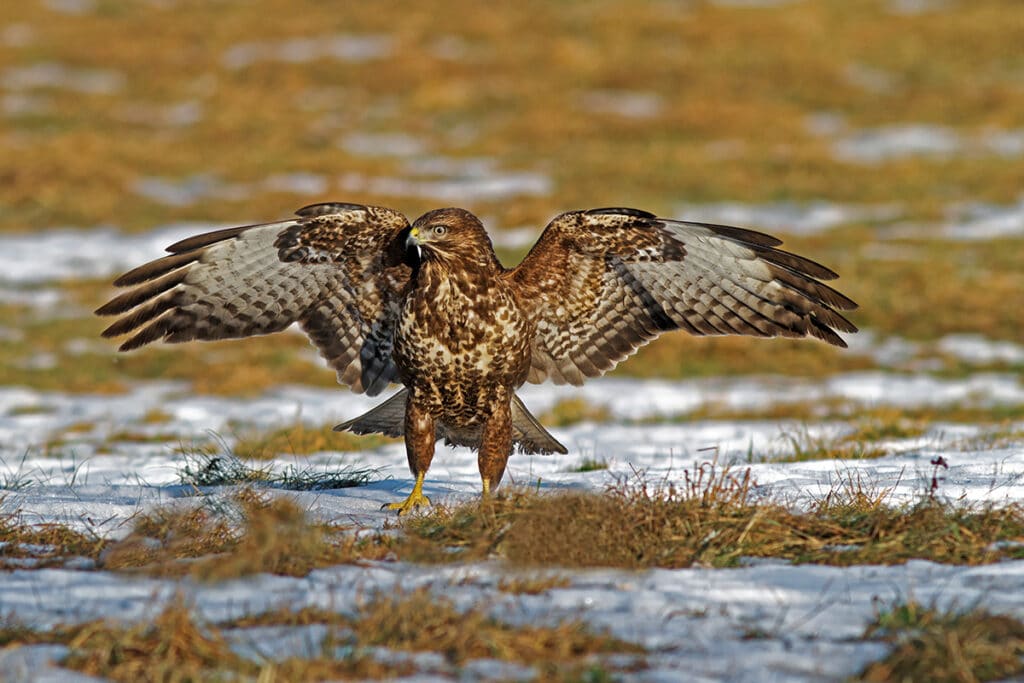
x=140, y=114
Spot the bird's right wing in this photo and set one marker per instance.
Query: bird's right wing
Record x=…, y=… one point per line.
x=338, y=270
x=602, y=283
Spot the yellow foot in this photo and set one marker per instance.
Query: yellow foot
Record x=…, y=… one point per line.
x=415, y=499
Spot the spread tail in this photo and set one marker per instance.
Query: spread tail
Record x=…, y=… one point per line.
x=388, y=419
x=528, y=435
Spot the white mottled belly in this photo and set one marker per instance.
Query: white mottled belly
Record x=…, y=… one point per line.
x=458, y=356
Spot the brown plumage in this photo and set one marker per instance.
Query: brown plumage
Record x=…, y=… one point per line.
x=430, y=306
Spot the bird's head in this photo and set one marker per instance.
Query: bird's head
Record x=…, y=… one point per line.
x=449, y=236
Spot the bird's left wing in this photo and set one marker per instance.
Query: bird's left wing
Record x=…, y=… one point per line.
x=601, y=283
x=336, y=269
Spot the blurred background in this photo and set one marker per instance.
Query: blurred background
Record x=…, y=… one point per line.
x=884, y=138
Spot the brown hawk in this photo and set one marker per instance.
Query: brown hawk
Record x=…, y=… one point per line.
x=430, y=306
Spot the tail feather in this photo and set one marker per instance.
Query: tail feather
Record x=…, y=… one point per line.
x=528, y=435
x=388, y=419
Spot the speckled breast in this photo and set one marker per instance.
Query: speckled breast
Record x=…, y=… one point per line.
x=462, y=346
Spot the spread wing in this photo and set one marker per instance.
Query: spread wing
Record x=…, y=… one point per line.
x=602, y=283
x=337, y=270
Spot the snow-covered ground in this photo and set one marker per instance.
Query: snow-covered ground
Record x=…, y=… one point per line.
x=696, y=622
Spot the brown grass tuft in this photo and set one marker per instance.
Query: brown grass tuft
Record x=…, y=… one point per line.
x=301, y=439
x=711, y=518
x=175, y=648
x=252, y=534
x=532, y=584
x=421, y=622
x=172, y=648
x=934, y=645
x=43, y=545
x=569, y=411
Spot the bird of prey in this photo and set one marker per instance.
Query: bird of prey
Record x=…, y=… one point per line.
x=430, y=307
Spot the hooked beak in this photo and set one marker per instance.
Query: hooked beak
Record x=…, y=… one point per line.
x=412, y=243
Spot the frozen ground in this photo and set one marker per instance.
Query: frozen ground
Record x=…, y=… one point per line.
x=697, y=622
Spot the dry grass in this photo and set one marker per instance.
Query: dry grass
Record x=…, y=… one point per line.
x=156, y=416
x=421, y=622
x=460, y=97
x=570, y=411
x=174, y=647
x=43, y=545
x=290, y=617
x=249, y=534
x=532, y=584
x=938, y=645
x=301, y=439
x=711, y=519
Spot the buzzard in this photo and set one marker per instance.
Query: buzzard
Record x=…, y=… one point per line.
x=429, y=306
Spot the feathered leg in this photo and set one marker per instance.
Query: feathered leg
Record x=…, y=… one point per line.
x=495, y=446
x=419, y=448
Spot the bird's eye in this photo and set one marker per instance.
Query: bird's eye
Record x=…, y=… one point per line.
x=439, y=230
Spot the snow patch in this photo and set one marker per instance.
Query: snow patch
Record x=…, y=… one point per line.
x=976, y=349
x=627, y=104
x=801, y=218
x=69, y=254
x=61, y=77
x=451, y=180
x=342, y=47
x=382, y=144
x=901, y=141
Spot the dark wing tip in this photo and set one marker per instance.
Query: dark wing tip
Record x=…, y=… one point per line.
x=824, y=332
x=109, y=308
x=325, y=208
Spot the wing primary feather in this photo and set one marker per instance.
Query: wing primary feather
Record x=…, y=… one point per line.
x=141, y=316
x=157, y=329
x=732, y=232
x=795, y=263
x=825, y=333
x=155, y=269
x=208, y=238
x=139, y=295
x=812, y=290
